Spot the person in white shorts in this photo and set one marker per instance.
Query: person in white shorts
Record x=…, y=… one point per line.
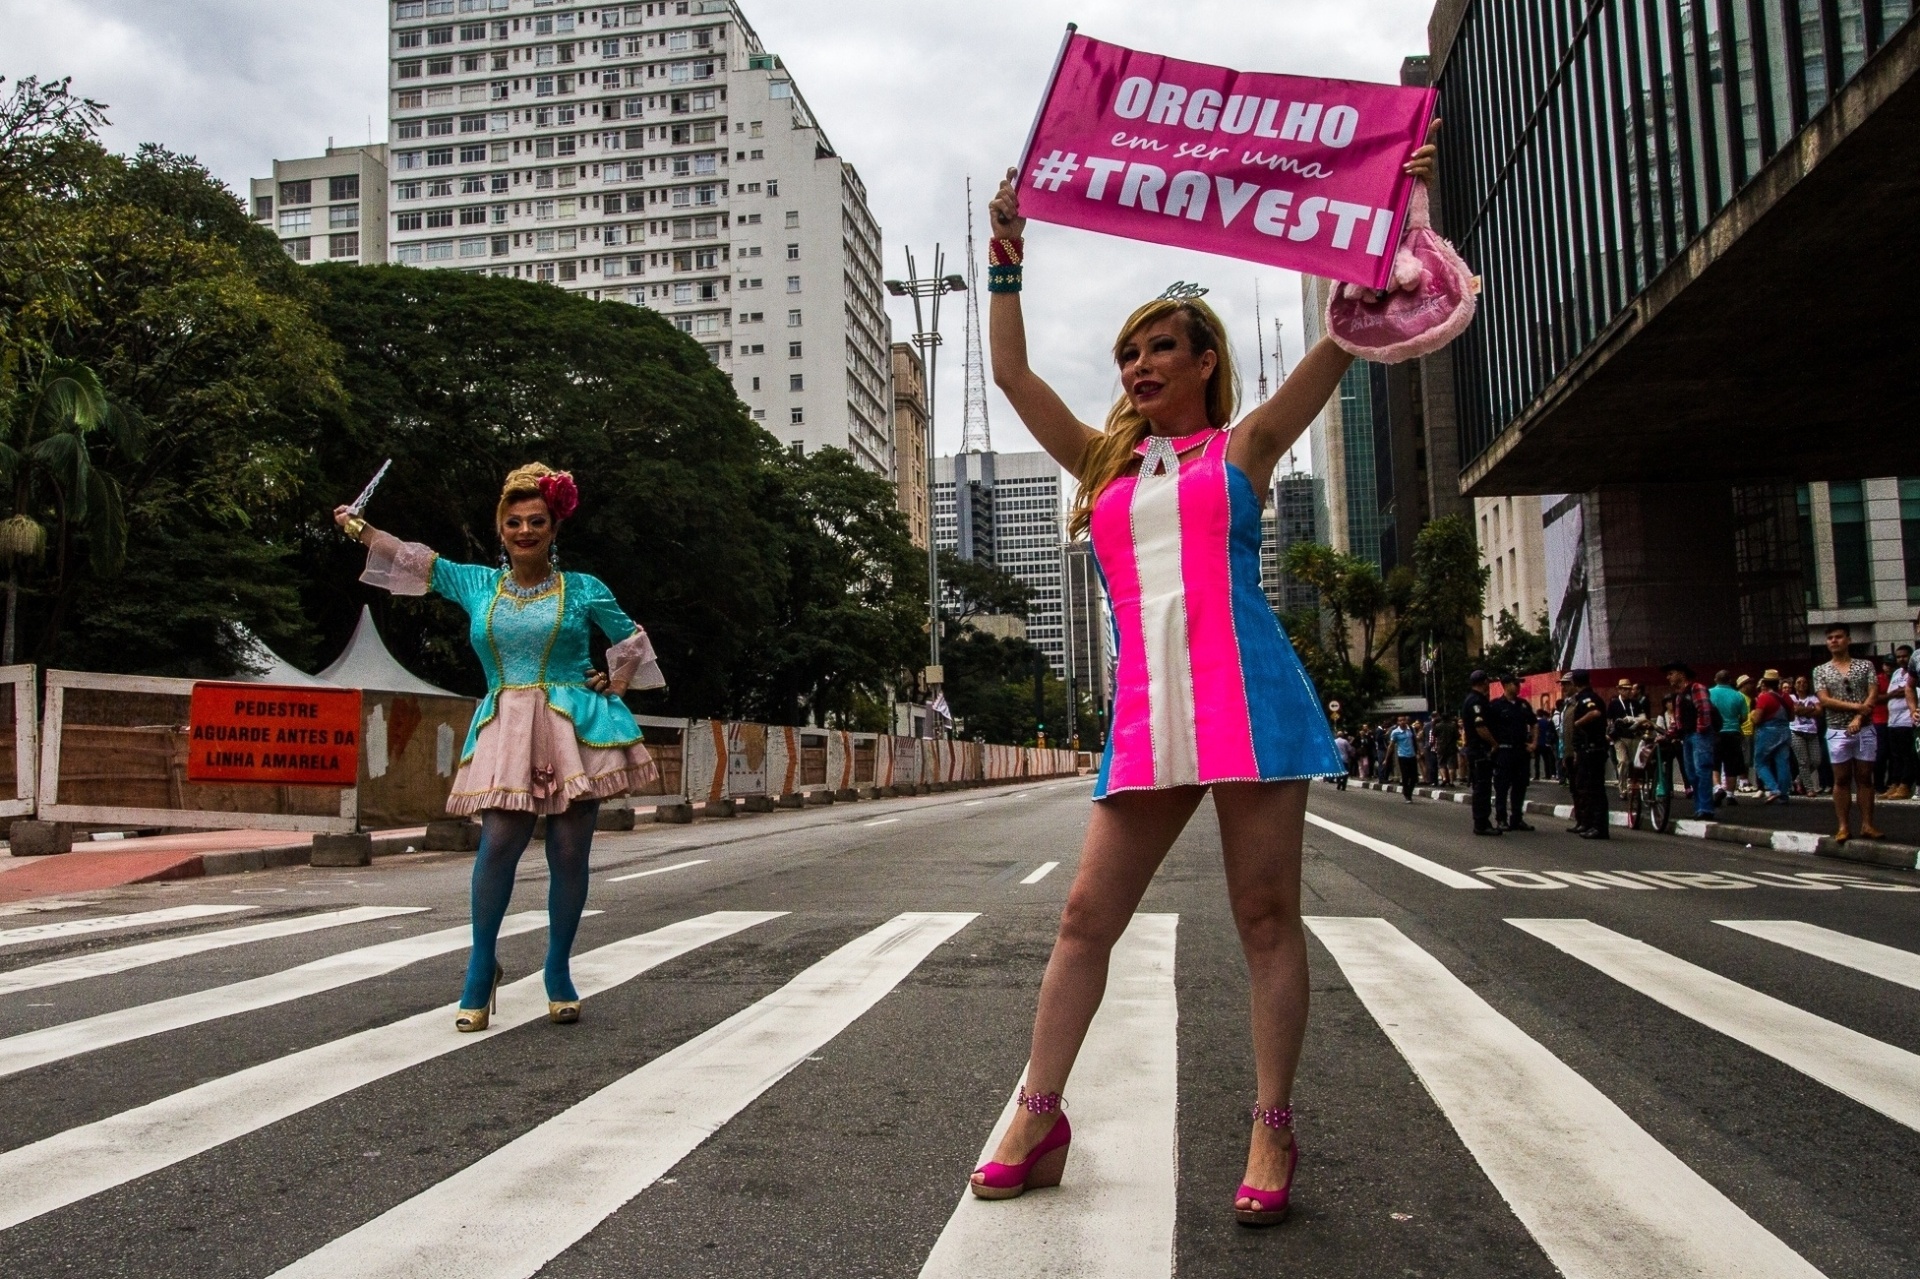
x=1847, y=690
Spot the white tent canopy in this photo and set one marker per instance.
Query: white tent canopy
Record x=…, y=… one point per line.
x=367, y=664
x=272, y=668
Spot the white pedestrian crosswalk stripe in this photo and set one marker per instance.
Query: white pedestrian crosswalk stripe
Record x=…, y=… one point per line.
x=38, y=1047
x=1872, y=1073
x=1113, y=1215
x=110, y=923
x=122, y=959
x=1890, y=962
x=616, y=1143
x=89, y=1159
x=1412, y=861
x=1600, y=1196
x=1041, y=872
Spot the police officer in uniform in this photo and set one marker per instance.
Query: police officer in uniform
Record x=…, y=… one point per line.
x=1586, y=719
x=1515, y=729
x=1477, y=731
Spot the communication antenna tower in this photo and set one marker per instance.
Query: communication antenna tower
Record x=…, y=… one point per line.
x=975, y=437
x=1260, y=341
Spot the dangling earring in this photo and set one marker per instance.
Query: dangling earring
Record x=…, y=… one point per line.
x=505, y=563
x=553, y=555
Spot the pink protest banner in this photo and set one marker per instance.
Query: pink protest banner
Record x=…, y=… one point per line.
x=1287, y=170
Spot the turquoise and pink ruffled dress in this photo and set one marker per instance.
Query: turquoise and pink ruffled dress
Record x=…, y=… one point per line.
x=1208, y=687
x=541, y=738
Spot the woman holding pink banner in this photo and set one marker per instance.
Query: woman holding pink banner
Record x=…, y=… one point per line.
x=1210, y=694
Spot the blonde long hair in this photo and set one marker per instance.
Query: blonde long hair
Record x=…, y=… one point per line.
x=1111, y=450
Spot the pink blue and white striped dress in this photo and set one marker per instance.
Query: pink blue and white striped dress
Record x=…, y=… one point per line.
x=1209, y=688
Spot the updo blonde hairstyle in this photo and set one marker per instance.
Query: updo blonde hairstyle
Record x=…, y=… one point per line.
x=1111, y=451
x=523, y=484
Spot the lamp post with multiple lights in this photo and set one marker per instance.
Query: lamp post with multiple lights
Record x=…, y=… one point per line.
x=926, y=339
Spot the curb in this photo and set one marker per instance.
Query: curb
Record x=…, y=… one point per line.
x=1866, y=852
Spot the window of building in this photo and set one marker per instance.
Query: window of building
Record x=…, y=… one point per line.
x=473, y=153
x=296, y=193
x=346, y=188
x=439, y=156
x=408, y=9
x=406, y=190
x=473, y=184
x=344, y=246
x=411, y=39
x=1910, y=534
x=439, y=217
x=793, y=284
x=793, y=253
x=1803, y=501
x=797, y=416
x=439, y=187
x=440, y=127
x=409, y=70
x=793, y=215
x=263, y=208
x=1852, y=554
x=293, y=221
x=796, y=382
x=473, y=31
x=439, y=35
x=500, y=244
x=473, y=123
x=343, y=215
x=407, y=100
x=406, y=222
x=474, y=247
x=793, y=350
x=440, y=66
x=298, y=250
x=793, y=319
x=474, y=215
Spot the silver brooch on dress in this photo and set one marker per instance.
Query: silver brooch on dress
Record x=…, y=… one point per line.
x=1181, y=291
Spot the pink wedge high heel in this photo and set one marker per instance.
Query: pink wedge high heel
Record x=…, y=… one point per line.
x=1042, y=1167
x=1269, y=1206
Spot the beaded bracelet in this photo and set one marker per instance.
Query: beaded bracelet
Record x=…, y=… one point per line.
x=1004, y=261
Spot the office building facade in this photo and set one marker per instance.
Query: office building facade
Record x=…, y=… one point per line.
x=1005, y=509
x=327, y=208
x=910, y=440
x=654, y=154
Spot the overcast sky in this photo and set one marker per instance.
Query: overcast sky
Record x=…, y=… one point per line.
x=917, y=95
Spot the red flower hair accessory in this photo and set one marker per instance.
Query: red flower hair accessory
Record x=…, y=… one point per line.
x=560, y=495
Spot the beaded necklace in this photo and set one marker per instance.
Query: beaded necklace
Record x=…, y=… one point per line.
x=524, y=594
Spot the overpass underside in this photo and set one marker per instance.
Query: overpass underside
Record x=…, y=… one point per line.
x=1782, y=344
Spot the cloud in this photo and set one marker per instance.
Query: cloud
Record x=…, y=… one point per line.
x=917, y=95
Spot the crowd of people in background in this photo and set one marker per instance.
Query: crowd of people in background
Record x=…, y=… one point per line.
x=1845, y=731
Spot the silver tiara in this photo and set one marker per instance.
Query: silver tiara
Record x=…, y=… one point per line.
x=1181, y=291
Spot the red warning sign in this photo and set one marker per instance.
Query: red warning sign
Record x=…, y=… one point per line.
x=278, y=734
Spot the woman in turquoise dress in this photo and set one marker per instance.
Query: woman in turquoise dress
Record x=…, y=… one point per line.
x=552, y=737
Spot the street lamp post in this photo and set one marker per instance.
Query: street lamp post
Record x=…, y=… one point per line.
x=926, y=340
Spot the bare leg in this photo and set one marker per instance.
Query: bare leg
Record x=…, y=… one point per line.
x=1261, y=825
x=1842, y=795
x=1127, y=839
x=1863, y=783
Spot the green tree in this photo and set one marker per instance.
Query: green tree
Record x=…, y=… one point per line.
x=974, y=588
x=850, y=620
x=1518, y=650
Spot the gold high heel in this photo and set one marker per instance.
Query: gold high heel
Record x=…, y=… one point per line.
x=563, y=1012
x=471, y=1019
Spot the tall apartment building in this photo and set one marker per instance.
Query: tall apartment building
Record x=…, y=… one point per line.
x=654, y=154
x=1510, y=531
x=328, y=208
x=1005, y=509
x=910, y=439
x=1289, y=518
x=1089, y=656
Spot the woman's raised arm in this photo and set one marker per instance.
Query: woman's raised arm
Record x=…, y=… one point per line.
x=1040, y=407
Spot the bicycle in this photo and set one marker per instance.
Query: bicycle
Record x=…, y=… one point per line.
x=1649, y=791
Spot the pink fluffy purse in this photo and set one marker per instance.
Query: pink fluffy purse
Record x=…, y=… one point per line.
x=1428, y=303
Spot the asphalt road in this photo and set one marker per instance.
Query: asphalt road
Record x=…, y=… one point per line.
x=794, y=1068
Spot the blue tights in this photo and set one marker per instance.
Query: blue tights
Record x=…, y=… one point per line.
x=504, y=835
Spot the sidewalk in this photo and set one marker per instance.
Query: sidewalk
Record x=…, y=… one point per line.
x=1803, y=826
x=113, y=863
